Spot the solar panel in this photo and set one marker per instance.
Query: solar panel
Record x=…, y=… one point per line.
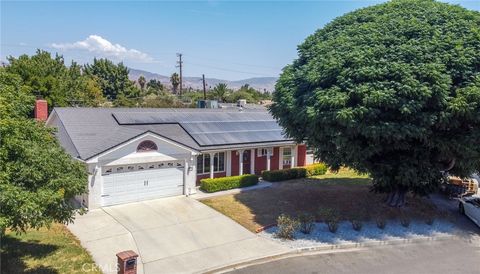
x=234, y=132
x=213, y=128
x=136, y=118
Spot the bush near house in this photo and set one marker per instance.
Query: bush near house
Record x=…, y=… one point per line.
x=224, y=183
x=294, y=173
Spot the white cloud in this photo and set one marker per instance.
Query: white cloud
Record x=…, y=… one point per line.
x=101, y=46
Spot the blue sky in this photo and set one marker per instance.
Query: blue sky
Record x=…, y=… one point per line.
x=227, y=40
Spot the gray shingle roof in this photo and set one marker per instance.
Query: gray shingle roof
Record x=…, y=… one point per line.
x=91, y=131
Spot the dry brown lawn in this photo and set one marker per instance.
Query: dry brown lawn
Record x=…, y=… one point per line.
x=347, y=192
x=54, y=250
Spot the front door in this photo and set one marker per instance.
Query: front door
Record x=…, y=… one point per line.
x=246, y=162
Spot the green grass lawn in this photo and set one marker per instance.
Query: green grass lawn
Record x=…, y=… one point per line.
x=346, y=191
x=53, y=250
x=344, y=176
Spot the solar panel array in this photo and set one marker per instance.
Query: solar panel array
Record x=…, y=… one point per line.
x=213, y=128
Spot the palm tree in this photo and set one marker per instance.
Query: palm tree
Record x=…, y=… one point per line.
x=175, y=80
x=221, y=92
x=142, y=81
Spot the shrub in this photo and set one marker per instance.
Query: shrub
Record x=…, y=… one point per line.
x=307, y=223
x=294, y=173
x=316, y=169
x=381, y=222
x=356, y=225
x=404, y=219
x=217, y=184
x=331, y=218
x=286, y=226
x=429, y=218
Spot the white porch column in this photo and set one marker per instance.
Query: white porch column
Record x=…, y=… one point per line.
x=240, y=162
x=211, y=164
x=293, y=156
x=280, y=158
x=268, y=161
x=252, y=161
x=229, y=163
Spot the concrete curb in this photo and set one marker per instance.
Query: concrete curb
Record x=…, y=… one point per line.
x=326, y=249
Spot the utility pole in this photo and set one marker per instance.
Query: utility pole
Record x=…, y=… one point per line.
x=180, y=62
x=204, y=88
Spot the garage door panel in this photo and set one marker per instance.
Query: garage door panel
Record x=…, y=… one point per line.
x=119, y=188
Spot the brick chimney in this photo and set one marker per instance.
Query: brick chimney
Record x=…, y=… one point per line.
x=41, y=110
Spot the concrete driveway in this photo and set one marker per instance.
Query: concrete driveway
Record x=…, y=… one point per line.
x=171, y=235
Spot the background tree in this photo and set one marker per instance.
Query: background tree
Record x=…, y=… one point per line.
x=175, y=80
x=141, y=81
x=221, y=92
x=84, y=89
x=154, y=86
x=37, y=177
x=392, y=90
x=48, y=77
x=113, y=79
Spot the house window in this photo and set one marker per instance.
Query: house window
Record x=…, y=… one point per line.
x=203, y=163
x=287, y=156
x=219, y=162
x=146, y=146
x=264, y=152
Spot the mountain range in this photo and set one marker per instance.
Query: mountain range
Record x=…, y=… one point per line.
x=258, y=83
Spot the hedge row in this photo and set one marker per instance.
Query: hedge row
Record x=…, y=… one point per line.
x=294, y=173
x=224, y=183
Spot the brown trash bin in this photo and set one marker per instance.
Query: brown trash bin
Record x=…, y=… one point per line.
x=127, y=262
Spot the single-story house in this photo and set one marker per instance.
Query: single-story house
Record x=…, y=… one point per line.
x=134, y=154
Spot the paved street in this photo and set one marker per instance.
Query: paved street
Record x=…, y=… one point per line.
x=450, y=257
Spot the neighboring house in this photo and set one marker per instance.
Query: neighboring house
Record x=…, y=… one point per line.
x=136, y=154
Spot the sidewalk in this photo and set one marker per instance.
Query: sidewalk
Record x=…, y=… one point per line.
x=204, y=195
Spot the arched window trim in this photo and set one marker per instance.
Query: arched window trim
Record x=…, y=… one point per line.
x=146, y=146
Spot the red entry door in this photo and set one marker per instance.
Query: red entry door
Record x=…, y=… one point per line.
x=246, y=162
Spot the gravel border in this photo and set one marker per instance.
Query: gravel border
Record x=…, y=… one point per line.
x=321, y=237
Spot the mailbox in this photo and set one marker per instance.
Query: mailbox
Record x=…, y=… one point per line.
x=127, y=262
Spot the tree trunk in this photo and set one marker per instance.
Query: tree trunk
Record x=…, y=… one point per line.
x=397, y=198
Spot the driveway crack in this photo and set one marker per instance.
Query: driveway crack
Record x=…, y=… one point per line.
x=131, y=234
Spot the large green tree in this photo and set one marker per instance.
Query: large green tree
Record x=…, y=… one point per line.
x=50, y=78
x=392, y=90
x=113, y=79
x=37, y=178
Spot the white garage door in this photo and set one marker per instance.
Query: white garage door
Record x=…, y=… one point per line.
x=120, y=188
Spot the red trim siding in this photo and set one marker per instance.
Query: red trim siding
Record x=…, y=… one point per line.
x=260, y=163
x=301, y=155
x=275, y=158
x=235, y=161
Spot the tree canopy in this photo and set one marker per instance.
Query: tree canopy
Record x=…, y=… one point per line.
x=37, y=177
x=50, y=78
x=392, y=90
x=175, y=80
x=113, y=78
